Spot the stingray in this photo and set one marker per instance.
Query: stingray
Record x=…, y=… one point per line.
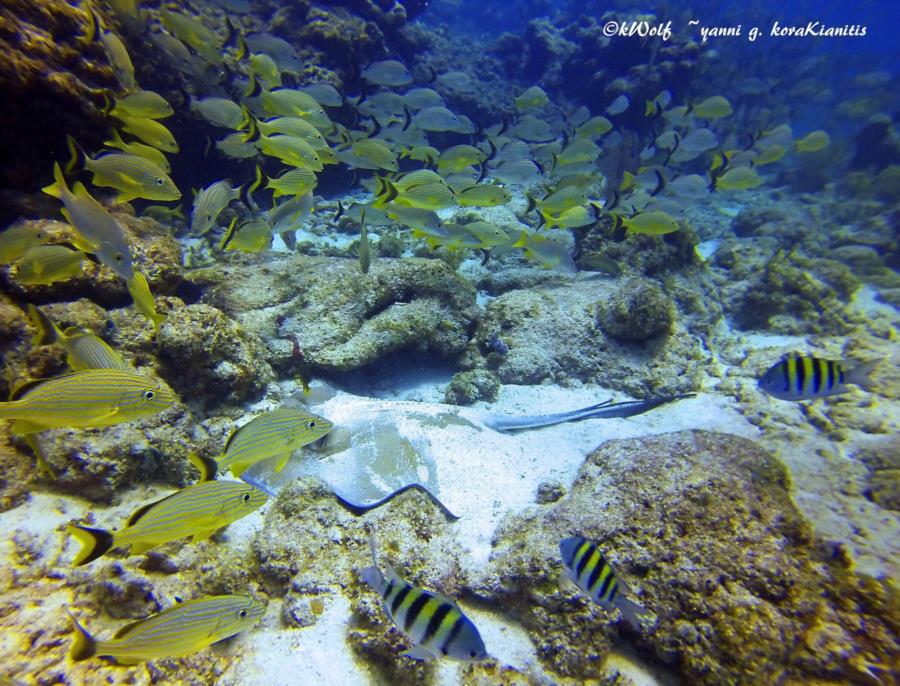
x=381, y=448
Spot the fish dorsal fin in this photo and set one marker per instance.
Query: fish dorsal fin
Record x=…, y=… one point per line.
x=26, y=386
x=207, y=466
x=127, y=629
x=144, y=509
x=231, y=438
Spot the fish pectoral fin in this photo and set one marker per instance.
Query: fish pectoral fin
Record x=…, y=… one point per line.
x=203, y=535
x=141, y=548
x=419, y=653
x=282, y=461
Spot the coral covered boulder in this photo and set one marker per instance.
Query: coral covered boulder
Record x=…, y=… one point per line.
x=209, y=358
x=323, y=313
x=704, y=526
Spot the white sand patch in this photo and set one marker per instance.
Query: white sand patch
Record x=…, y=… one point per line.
x=280, y=656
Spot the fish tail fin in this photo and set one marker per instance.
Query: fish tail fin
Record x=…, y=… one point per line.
x=532, y=203
x=254, y=87
x=372, y=574
x=58, y=189
x=385, y=193
x=253, y=133
x=207, y=466
x=861, y=375
x=94, y=543
x=76, y=154
x=632, y=612
x=83, y=644
x=226, y=239
x=47, y=333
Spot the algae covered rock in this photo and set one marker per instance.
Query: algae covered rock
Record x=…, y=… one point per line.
x=701, y=526
x=639, y=311
x=324, y=314
x=469, y=387
x=209, y=358
x=556, y=334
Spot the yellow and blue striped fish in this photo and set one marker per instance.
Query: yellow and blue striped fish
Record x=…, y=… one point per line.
x=586, y=567
x=804, y=378
x=278, y=432
x=197, y=511
x=433, y=622
x=83, y=349
x=181, y=630
x=90, y=398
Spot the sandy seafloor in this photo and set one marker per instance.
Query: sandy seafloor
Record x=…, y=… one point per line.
x=498, y=476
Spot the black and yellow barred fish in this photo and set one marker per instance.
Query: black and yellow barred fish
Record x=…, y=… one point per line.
x=432, y=621
x=804, y=378
x=587, y=568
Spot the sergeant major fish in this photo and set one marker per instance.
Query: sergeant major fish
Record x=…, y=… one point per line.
x=182, y=629
x=432, y=621
x=586, y=567
x=806, y=378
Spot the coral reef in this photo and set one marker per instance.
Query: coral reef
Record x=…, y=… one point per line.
x=210, y=359
x=704, y=526
x=557, y=334
x=52, y=74
x=323, y=314
x=638, y=311
x=469, y=387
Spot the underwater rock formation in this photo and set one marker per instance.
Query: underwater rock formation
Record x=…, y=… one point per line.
x=322, y=314
x=52, y=73
x=557, y=333
x=763, y=287
x=469, y=387
x=638, y=311
x=209, y=358
x=703, y=524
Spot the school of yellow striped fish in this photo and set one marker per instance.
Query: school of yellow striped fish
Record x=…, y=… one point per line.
x=393, y=150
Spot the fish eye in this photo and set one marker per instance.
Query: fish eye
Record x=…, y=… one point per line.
x=246, y=497
x=149, y=395
x=311, y=424
x=120, y=257
x=243, y=613
x=159, y=182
